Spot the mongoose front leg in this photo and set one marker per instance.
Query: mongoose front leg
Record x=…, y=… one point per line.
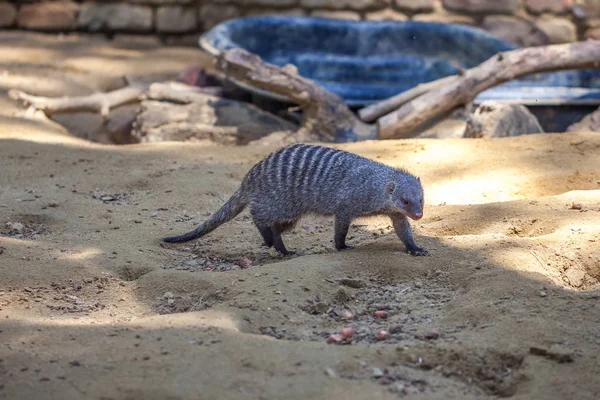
x=342, y=224
x=402, y=228
x=278, y=242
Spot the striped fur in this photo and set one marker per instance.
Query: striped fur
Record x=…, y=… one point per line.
x=301, y=179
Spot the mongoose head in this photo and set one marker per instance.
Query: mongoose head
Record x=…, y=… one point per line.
x=405, y=195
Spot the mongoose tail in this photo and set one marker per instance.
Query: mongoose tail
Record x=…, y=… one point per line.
x=235, y=205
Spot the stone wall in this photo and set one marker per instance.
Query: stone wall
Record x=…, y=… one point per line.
x=523, y=22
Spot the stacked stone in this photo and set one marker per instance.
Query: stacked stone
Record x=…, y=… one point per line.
x=523, y=22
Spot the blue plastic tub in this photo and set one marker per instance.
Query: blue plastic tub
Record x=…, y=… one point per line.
x=367, y=61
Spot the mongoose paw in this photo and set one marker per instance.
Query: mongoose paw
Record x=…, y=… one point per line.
x=417, y=251
x=344, y=247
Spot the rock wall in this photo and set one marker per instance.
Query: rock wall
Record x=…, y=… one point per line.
x=523, y=22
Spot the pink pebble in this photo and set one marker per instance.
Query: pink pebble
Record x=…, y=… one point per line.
x=576, y=205
x=381, y=335
x=347, y=332
x=335, y=338
x=380, y=314
x=346, y=315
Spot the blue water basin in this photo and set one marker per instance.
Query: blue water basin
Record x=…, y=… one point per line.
x=367, y=61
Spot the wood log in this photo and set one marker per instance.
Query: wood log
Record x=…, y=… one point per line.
x=496, y=70
x=325, y=116
x=374, y=111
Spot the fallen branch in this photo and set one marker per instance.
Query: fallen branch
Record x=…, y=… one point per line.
x=325, y=116
x=98, y=102
x=374, y=111
x=182, y=93
x=496, y=70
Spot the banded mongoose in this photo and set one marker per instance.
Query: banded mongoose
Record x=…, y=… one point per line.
x=307, y=179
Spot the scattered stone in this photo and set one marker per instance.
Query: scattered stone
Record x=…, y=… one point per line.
x=432, y=334
x=377, y=373
x=48, y=16
x=543, y=293
x=15, y=227
x=576, y=205
x=575, y=276
x=518, y=31
x=396, y=329
x=347, y=332
x=244, y=262
x=558, y=30
x=350, y=15
x=335, y=338
x=381, y=335
x=191, y=263
x=345, y=315
x=8, y=14
x=318, y=308
x=353, y=283
x=176, y=19
x=495, y=119
x=386, y=15
x=198, y=115
x=380, y=314
x=330, y=372
x=342, y=296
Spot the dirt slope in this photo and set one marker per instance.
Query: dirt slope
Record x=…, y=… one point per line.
x=92, y=306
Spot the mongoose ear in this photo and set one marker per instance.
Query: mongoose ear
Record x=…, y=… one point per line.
x=389, y=188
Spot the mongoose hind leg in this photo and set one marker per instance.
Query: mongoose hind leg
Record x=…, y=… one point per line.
x=342, y=224
x=277, y=229
x=266, y=233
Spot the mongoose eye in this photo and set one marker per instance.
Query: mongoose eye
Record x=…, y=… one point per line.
x=421, y=201
x=406, y=202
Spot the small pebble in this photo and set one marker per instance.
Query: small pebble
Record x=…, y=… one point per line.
x=377, y=373
x=244, y=262
x=346, y=315
x=543, y=294
x=576, y=205
x=335, y=338
x=380, y=314
x=330, y=372
x=381, y=335
x=347, y=332
x=432, y=334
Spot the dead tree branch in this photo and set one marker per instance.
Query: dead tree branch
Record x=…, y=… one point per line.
x=374, y=111
x=98, y=102
x=496, y=70
x=325, y=116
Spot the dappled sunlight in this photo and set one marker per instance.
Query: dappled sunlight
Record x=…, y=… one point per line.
x=207, y=318
x=81, y=254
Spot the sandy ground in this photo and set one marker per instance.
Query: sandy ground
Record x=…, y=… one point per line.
x=93, y=306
